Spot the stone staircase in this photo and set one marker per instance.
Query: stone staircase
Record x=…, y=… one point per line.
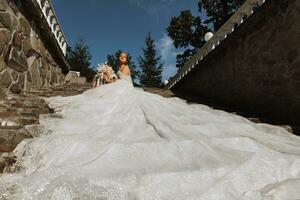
x=160, y=91
x=19, y=116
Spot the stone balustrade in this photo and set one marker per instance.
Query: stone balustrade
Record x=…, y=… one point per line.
x=49, y=14
x=255, y=70
x=235, y=20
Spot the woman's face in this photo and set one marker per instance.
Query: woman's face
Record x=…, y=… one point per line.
x=123, y=58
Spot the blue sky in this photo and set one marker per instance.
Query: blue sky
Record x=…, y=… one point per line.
x=109, y=25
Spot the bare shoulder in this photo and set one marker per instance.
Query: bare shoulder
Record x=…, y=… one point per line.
x=127, y=70
x=127, y=67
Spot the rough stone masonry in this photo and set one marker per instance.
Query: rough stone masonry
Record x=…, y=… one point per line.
x=29, y=54
x=256, y=69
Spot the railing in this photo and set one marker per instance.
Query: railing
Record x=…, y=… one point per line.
x=49, y=14
x=234, y=21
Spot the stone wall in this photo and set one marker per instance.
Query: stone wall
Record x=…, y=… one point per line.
x=74, y=77
x=256, y=68
x=26, y=55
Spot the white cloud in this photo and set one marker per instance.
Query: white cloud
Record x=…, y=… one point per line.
x=169, y=70
x=166, y=47
x=168, y=55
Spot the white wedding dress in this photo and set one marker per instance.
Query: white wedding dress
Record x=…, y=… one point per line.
x=117, y=142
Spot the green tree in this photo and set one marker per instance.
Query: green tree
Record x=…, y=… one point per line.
x=218, y=11
x=79, y=58
x=151, y=68
x=113, y=61
x=187, y=32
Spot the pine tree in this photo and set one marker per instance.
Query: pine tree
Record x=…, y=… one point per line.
x=79, y=58
x=151, y=68
x=219, y=11
x=187, y=32
x=113, y=61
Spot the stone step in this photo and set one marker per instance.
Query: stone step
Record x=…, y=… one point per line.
x=29, y=115
x=34, y=93
x=18, y=137
x=57, y=90
x=25, y=103
x=3, y=109
x=7, y=103
x=29, y=106
x=7, y=114
x=9, y=129
x=60, y=94
x=2, y=166
x=20, y=119
x=160, y=91
x=12, y=136
x=27, y=96
x=27, y=100
x=7, y=133
x=7, y=122
x=52, y=115
x=28, y=111
x=22, y=101
x=34, y=130
x=61, y=89
x=26, y=120
x=22, y=96
x=6, y=148
x=6, y=161
x=3, y=104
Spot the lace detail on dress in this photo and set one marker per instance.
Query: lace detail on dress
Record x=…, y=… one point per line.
x=124, y=76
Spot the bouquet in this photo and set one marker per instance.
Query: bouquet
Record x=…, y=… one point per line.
x=105, y=74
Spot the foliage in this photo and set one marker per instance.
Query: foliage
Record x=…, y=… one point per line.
x=187, y=32
x=151, y=68
x=219, y=11
x=79, y=58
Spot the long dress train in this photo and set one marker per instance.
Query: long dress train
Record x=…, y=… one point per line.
x=119, y=142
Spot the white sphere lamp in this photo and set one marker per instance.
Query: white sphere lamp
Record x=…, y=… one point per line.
x=208, y=36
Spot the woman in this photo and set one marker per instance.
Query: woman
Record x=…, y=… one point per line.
x=123, y=143
x=123, y=68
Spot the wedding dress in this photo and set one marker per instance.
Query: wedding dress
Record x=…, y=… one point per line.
x=118, y=142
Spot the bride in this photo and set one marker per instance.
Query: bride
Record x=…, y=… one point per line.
x=123, y=69
x=119, y=142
